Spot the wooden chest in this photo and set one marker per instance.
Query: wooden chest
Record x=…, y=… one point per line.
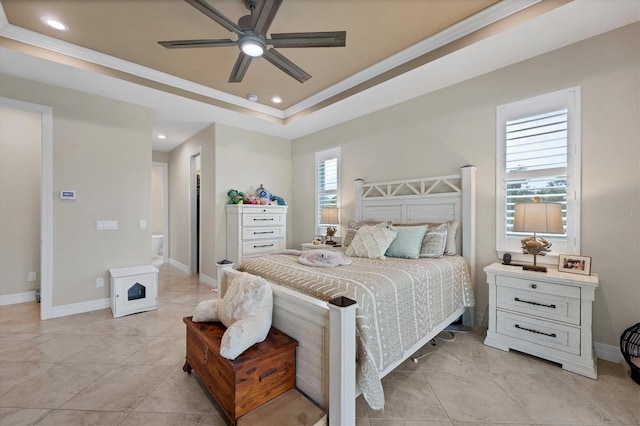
x=259, y=374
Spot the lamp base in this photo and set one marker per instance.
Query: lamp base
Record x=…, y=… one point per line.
x=534, y=268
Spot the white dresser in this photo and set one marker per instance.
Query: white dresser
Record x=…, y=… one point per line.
x=548, y=315
x=253, y=230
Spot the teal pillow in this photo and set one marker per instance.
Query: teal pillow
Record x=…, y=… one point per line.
x=408, y=242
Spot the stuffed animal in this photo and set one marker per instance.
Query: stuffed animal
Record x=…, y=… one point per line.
x=236, y=197
x=246, y=310
x=278, y=200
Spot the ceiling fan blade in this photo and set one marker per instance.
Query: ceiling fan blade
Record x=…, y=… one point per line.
x=240, y=68
x=214, y=14
x=179, y=44
x=277, y=59
x=266, y=15
x=317, y=39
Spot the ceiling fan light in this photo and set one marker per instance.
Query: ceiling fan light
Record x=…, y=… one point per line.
x=252, y=46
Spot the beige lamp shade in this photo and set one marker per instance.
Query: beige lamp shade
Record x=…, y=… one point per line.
x=329, y=216
x=545, y=218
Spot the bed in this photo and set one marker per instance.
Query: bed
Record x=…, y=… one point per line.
x=317, y=306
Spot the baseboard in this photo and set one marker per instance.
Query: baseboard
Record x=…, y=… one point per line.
x=181, y=266
x=80, y=308
x=15, y=298
x=608, y=352
x=211, y=282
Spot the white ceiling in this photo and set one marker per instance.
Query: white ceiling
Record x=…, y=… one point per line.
x=181, y=117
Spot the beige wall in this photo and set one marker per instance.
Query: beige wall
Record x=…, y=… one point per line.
x=19, y=200
x=160, y=156
x=231, y=158
x=157, y=205
x=437, y=133
x=101, y=149
x=244, y=161
x=179, y=166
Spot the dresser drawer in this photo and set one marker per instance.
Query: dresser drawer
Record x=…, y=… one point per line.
x=540, y=286
x=537, y=302
x=255, y=233
x=263, y=219
x=536, y=331
x=250, y=248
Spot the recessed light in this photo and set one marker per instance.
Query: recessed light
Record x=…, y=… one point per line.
x=162, y=137
x=54, y=23
x=252, y=98
x=276, y=99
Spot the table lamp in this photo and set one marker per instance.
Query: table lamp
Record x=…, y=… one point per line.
x=329, y=216
x=537, y=217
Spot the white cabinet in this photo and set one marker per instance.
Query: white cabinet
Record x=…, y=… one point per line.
x=253, y=230
x=543, y=314
x=133, y=289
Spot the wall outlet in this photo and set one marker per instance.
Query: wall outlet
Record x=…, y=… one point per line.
x=32, y=276
x=143, y=224
x=99, y=282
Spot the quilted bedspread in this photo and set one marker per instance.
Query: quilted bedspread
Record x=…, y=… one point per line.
x=399, y=302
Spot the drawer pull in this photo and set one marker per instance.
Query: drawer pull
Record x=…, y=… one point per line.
x=263, y=232
x=263, y=245
x=534, y=286
x=517, y=299
x=268, y=373
x=535, y=331
x=256, y=219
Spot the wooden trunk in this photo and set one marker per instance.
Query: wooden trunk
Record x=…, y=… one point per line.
x=259, y=374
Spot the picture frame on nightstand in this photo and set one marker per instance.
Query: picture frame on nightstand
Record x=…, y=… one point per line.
x=574, y=264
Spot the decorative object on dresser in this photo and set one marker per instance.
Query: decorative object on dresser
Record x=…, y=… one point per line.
x=574, y=264
x=261, y=373
x=537, y=217
x=330, y=216
x=630, y=348
x=253, y=230
x=548, y=316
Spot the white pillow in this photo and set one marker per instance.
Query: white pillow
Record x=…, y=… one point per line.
x=246, y=310
x=371, y=241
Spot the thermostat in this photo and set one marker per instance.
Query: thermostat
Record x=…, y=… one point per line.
x=67, y=195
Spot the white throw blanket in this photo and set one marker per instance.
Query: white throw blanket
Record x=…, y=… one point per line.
x=318, y=258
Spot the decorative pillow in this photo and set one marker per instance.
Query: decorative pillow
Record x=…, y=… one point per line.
x=452, y=230
x=371, y=241
x=434, y=242
x=352, y=228
x=246, y=310
x=408, y=242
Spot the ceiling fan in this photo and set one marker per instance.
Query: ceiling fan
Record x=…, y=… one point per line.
x=252, y=39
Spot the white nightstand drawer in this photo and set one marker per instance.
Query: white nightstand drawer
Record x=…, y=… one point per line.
x=539, y=332
x=541, y=286
x=263, y=219
x=536, y=302
x=262, y=246
x=254, y=233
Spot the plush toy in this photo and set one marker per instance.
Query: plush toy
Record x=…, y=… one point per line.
x=245, y=310
x=236, y=197
x=263, y=193
x=278, y=200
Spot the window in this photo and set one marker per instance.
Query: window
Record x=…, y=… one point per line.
x=327, y=184
x=538, y=155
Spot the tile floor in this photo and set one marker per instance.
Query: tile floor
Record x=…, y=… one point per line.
x=94, y=369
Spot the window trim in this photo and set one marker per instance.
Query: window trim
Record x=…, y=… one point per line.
x=319, y=157
x=570, y=99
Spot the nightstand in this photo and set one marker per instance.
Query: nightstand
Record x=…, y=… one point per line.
x=311, y=246
x=543, y=314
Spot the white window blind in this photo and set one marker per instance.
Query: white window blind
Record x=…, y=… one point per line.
x=327, y=184
x=536, y=164
x=538, y=155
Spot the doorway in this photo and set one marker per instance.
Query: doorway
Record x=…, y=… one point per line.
x=46, y=198
x=195, y=173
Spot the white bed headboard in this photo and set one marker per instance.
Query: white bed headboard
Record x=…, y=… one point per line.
x=431, y=199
